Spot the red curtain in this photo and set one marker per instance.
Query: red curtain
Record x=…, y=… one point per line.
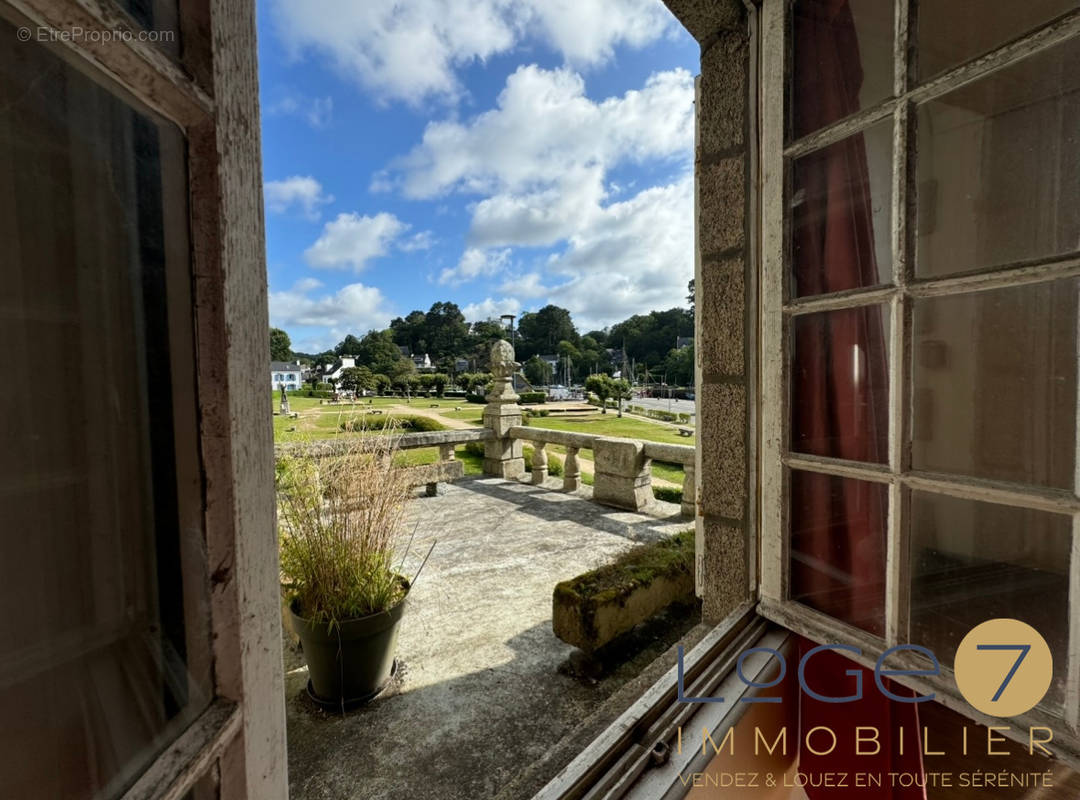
x=840, y=406
x=840, y=390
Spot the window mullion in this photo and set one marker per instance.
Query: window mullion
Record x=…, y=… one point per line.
x=897, y=572
x=773, y=339
x=1072, y=682
x=1072, y=686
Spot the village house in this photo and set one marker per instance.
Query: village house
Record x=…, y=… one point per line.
x=288, y=374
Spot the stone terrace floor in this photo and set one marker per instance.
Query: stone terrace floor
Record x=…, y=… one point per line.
x=483, y=690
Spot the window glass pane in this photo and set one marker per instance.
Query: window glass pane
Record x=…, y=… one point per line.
x=972, y=561
x=838, y=547
x=841, y=60
x=954, y=31
x=840, y=384
x=999, y=167
x=841, y=214
x=161, y=18
x=104, y=654
x=994, y=384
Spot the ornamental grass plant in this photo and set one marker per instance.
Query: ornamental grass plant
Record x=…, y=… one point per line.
x=341, y=512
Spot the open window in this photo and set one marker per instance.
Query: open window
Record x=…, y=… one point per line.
x=913, y=177
x=133, y=303
x=919, y=350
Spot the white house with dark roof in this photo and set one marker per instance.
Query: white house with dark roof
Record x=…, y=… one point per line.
x=289, y=374
x=333, y=371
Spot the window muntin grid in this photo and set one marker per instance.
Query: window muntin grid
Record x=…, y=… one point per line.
x=782, y=305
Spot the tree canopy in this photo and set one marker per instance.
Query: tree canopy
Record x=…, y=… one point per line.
x=540, y=332
x=442, y=332
x=280, y=345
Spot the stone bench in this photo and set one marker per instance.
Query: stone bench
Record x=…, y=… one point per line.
x=593, y=609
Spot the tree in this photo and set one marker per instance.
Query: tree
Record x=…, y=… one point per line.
x=621, y=390
x=539, y=333
x=445, y=330
x=488, y=330
x=474, y=382
x=481, y=335
x=280, y=345
x=537, y=372
x=349, y=346
x=679, y=366
x=600, y=337
x=382, y=383
x=691, y=299
x=591, y=356
x=378, y=352
x=400, y=373
x=357, y=379
x=439, y=382
x=411, y=331
x=602, y=386
x=647, y=338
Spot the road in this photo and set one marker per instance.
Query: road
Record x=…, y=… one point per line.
x=664, y=404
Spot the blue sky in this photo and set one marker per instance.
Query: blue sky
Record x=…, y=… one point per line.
x=500, y=154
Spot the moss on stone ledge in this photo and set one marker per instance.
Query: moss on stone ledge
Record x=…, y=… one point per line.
x=637, y=567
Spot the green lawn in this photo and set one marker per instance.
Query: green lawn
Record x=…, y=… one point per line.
x=610, y=425
x=474, y=464
x=327, y=423
x=296, y=402
x=470, y=412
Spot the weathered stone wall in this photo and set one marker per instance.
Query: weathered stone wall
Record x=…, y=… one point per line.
x=725, y=277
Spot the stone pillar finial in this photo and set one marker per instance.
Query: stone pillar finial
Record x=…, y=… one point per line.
x=502, y=454
x=503, y=368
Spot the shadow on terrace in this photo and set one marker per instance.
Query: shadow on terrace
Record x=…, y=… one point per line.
x=487, y=701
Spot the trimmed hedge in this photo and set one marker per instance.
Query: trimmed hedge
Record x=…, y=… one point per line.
x=372, y=422
x=533, y=397
x=659, y=414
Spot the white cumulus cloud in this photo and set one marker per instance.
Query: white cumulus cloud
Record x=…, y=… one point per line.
x=635, y=257
x=539, y=163
x=489, y=308
x=315, y=111
x=543, y=128
x=300, y=191
x=412, y=50
x=424, y=240
x=351, y=240
x=476, y=263
x=354, y=307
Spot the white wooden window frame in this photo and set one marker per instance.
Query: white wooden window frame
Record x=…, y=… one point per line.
x=238, y=742
x=776, y=311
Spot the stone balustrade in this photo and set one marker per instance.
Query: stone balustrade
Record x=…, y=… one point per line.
x=444, y=440
x=623, y=467
x=446, y=470
x=623, y=476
